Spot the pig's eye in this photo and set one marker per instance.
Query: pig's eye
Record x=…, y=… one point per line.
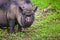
x=23, y=13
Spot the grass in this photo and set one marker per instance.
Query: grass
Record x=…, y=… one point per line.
x=45, y=27
x=55, y=4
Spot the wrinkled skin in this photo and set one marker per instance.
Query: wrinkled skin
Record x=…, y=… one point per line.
x=21, y=13
x=27, y=13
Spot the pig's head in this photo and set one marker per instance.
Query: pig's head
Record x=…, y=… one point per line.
x=27, y=12
x=27, y=16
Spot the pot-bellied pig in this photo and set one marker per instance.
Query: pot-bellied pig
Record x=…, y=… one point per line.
x=21, y=13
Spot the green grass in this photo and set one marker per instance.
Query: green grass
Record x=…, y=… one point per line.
x=55, y=4
x=45, y=27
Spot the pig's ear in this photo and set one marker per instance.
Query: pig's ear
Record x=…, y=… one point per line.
x=20, y=9
x=35, y=8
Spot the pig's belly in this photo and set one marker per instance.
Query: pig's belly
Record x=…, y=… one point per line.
x=3, y=20
x=3, y=17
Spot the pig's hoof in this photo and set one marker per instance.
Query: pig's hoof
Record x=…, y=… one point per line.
x=23, y=30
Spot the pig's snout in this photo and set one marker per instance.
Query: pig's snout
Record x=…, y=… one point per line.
x=28, y=19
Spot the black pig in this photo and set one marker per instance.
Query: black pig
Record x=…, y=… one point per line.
x=21, y=13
